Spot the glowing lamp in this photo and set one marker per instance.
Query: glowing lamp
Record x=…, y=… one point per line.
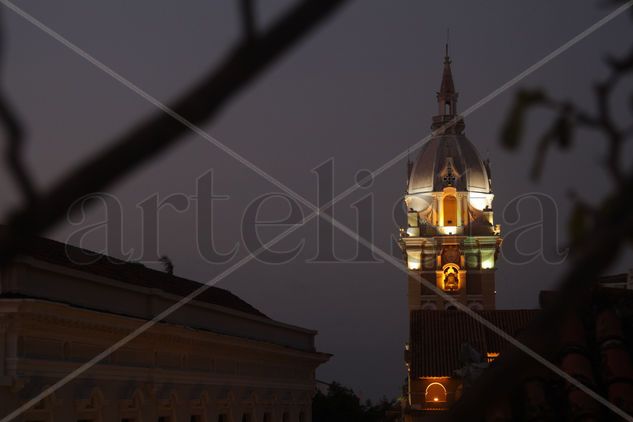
x=487, y=264
x=487, y=259
x=479, y=201
x=413, y=264
x=413, y=231
x=447, y=230
x=414, y=258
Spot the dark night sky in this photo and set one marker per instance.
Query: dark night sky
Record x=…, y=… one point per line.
x=361, y=89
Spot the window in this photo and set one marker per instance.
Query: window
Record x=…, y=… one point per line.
x=435, y=392
x=450, y=211
x=491, y=356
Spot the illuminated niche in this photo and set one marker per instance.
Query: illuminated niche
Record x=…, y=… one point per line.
x=450, y=278
x=450, y=210
x=435, y=393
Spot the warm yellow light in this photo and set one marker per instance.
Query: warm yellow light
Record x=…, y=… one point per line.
x=450, y=278
x=435, y=392
x=477, y=202
x=449, y=210
x=413, y=265
x=487, y=259
x=414, y=258
x=491, y=356
x=413, y=231
x=447, y=230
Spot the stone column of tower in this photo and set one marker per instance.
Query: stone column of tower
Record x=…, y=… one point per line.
x=450, y=239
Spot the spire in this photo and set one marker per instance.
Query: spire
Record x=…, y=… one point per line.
x=447, y=89
x=447, y=100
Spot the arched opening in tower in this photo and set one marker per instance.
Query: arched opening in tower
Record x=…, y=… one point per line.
x=435, y=392
x=450, y=210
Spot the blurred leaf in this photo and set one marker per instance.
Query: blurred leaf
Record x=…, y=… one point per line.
x=512, y=130
x=609, y=204
x=541, y=150
x=563, y=129
x=578, y=223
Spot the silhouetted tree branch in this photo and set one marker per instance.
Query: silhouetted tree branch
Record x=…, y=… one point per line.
x=598, y=233
x=247, y=13
x=247, y=60
x=15, y=141
x=591, y=258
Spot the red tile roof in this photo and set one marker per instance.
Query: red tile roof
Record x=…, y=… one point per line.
x=436, y=337
x=595, y=347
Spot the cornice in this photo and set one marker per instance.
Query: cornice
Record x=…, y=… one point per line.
x=34, y=314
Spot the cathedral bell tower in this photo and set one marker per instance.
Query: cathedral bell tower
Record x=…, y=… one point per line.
x=450, y=238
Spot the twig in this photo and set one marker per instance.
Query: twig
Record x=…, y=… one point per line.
x=614, y=225
x=15, y=140
x=611, y=227
x=241, y=66
x=247, y=13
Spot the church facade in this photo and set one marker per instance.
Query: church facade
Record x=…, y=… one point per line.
x=450, y=242
x=215, y=359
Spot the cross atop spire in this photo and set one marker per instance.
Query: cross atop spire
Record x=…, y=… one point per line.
x=448, y=40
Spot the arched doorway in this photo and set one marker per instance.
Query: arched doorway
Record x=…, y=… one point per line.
x=435, y=393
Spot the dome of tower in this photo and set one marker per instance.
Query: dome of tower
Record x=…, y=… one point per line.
x=449, y=160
